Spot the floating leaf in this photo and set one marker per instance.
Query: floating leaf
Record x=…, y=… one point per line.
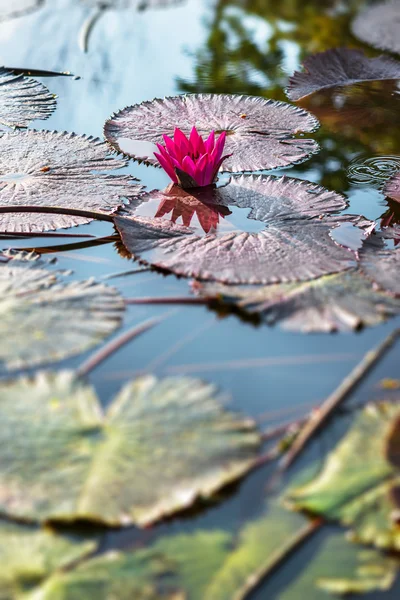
x=356, y=482
x=342, y=568
x=340, y=302
x=48, y=320
x=378, y=25
x=295, y=244
x=23, y=99
x=392, y=188
x=338, y=67
x=29, y=555
x=17, y=8
x=49, y=168
x=124, y=467
x=382, y=266
x=259, y=131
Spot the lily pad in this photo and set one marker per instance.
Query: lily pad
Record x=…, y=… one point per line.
x=392, y=188
x=295, y=244
x=259, y=131
x=123, y=467
x=339, y=67
x=378, y=25
x=49, y=320
x=29, y=555
x=17, y=8
x=342, y=568
x=23, y=99
x=340, y=302
x=380, y=265
x=49, y=168
x=356, y=483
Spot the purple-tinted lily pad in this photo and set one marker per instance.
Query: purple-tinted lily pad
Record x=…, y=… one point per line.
x=378, y=25
x=392, y=188
x=382, y=265
x=338, y=67
x=23, y=99
x=340, y=302
x=294, y=244
x=49, y=168
x=259, y=131
x=16, y=8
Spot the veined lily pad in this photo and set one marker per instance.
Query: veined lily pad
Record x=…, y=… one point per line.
x=29, y=555
x=48, y=320
x=378, y=25
x=382, y=266
x=259, y=132
x=358, y=483
x=338, y=67
x=49, y=168
x=17, y=8
x=295, y=244
x=340, y=302
x=342, y=568
x=160, y=446
x=392, y=188
x=23, y=99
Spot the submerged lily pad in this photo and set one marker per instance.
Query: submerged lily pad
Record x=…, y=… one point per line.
x=357, y=481
x=338, y=67
x=340, y=302
x=259, y=131
x=342, y=568
x=23, y=99
x=17, y=8
x=48, y=320
x=378, y=25
x=161, y=445
x=49, y=168
x=380, y=265
x=29, y=555
x=295, y=244
x=392, y=187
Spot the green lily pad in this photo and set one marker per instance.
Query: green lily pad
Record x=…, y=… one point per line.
x=339, y=302
x=342, y=568
x=358, y=483
x=160, y=446
x=29, y=555
x=38, y=310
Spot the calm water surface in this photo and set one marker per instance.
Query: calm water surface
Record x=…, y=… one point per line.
x=233, y=47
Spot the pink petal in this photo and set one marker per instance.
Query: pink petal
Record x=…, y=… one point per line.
x=189, y=167
x=170, y=144
x=219, y=147
x=196, y=142
x=181, y=141
x=201, y=170
x=166, y=166
x=209, y=144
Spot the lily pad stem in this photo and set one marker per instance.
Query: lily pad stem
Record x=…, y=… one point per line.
x=58, y=210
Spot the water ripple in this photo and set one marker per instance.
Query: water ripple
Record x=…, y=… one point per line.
x=373, y=171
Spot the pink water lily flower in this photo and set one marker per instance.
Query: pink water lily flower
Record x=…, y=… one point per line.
x=191, y=162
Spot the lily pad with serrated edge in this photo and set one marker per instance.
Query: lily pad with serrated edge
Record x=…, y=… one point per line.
x=50, y=168
x=378, y=25
x=380, y=265
x=49, y=320
x=392, y=187
x=357, y=485
x=23, y=99
x=17, y=8
x=259, y=131
x=339, y=67
x=29, y=555
x=339, y=302
x=295, y=244
x=161, y=445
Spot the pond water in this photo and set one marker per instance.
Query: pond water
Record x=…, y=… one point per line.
x=223, y=46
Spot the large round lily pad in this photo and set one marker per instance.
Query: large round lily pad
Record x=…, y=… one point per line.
x=294, y=245
x=48, y=320
x=259, y=131
x=378, y=25
x=160, y=446
x=49, y=168
x=340, y=302
x=17, y=8
x=23, y=99
x=356, y=484
x=338, y=67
